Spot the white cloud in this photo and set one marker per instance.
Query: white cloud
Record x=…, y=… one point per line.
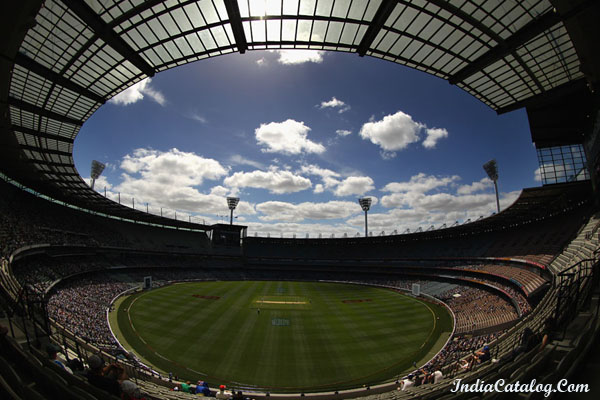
x=100, y=183
x=549, y=173
x=182, y=200
x=399, y=200
x=312, y=169
x=433, y=135
x=397, y=220
x=420, y=200
x=238, y=159
x=295, y=57
x=387, y=155
x=537, y=175
x=335, y=103
x=172, y=167
x=289, y=212
x=261, y=62
x=343, y=132
x=412, y=203
x=421, y=183
x=446, y=202
x=169, y=180
x=413, y=209
x=393, y=132
x=136, y=93
x=288, y=137
x=396, y=131
x=196, y=117
x=221, y=191
x=354, y=185
x=109, y=167
x=554, y=173
x=274, y=180
x=483, y=184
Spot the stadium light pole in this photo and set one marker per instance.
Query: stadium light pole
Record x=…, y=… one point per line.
x=97, y=168
x=232, y=203
x=491, y=168
x=365, y=204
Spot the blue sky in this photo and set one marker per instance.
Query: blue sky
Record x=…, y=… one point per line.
x=299, y=136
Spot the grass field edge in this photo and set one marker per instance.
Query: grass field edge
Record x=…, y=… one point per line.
x=132, y=341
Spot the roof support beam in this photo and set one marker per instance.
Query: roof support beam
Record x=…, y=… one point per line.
x=383, y=12
x=235, y=20
x=46, y=73
x=59, y=180
x=59, y=173
x=44, y=113
x=50, y=163
x=529, y=31
x=452, y=9
x=108, y=35
x=532, y=29
x=145, y=5
x=47, y=151
x=558, y=91
x=43, y=135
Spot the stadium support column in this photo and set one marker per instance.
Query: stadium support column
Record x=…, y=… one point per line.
x=365, y=204
x=497, y=199
x=232, y=203
x=491, y=168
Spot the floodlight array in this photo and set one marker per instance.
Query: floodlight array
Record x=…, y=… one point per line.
x=232, y=202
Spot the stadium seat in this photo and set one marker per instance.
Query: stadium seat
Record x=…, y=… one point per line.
x=82, y=394
x=32, y=394
x=11, y=381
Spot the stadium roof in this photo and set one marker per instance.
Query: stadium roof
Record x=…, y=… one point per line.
x=63, y=59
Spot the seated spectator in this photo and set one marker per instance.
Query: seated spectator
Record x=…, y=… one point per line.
x=185, y=387
x=407, y=383
x=483, y=355
x=528, y=341
x=238, y=395
x=206, y=389
x=52, y=351
x=202, y=388
x=464, y=364
x=420, y=376
x=116, y=372
x=76, y=366
x=96, y=377
x=547, y=332
x=130, y=391
x=198, y=389
x=221, y=394
x=437, y=376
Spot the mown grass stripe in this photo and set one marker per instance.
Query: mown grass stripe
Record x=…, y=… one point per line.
x=330, y=346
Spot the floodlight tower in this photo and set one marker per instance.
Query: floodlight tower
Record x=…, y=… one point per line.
x=365, y=204
x=232, y=203
x=97, y=168
x=491, y=168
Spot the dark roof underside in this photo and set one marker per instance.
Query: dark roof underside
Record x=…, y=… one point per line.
x=61, y=60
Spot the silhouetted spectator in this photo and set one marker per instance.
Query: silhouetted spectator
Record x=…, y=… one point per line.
x=96, y=376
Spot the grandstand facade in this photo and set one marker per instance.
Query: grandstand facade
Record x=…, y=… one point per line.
x=535, y=262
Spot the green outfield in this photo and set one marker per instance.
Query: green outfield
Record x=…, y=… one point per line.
x=281, y=336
